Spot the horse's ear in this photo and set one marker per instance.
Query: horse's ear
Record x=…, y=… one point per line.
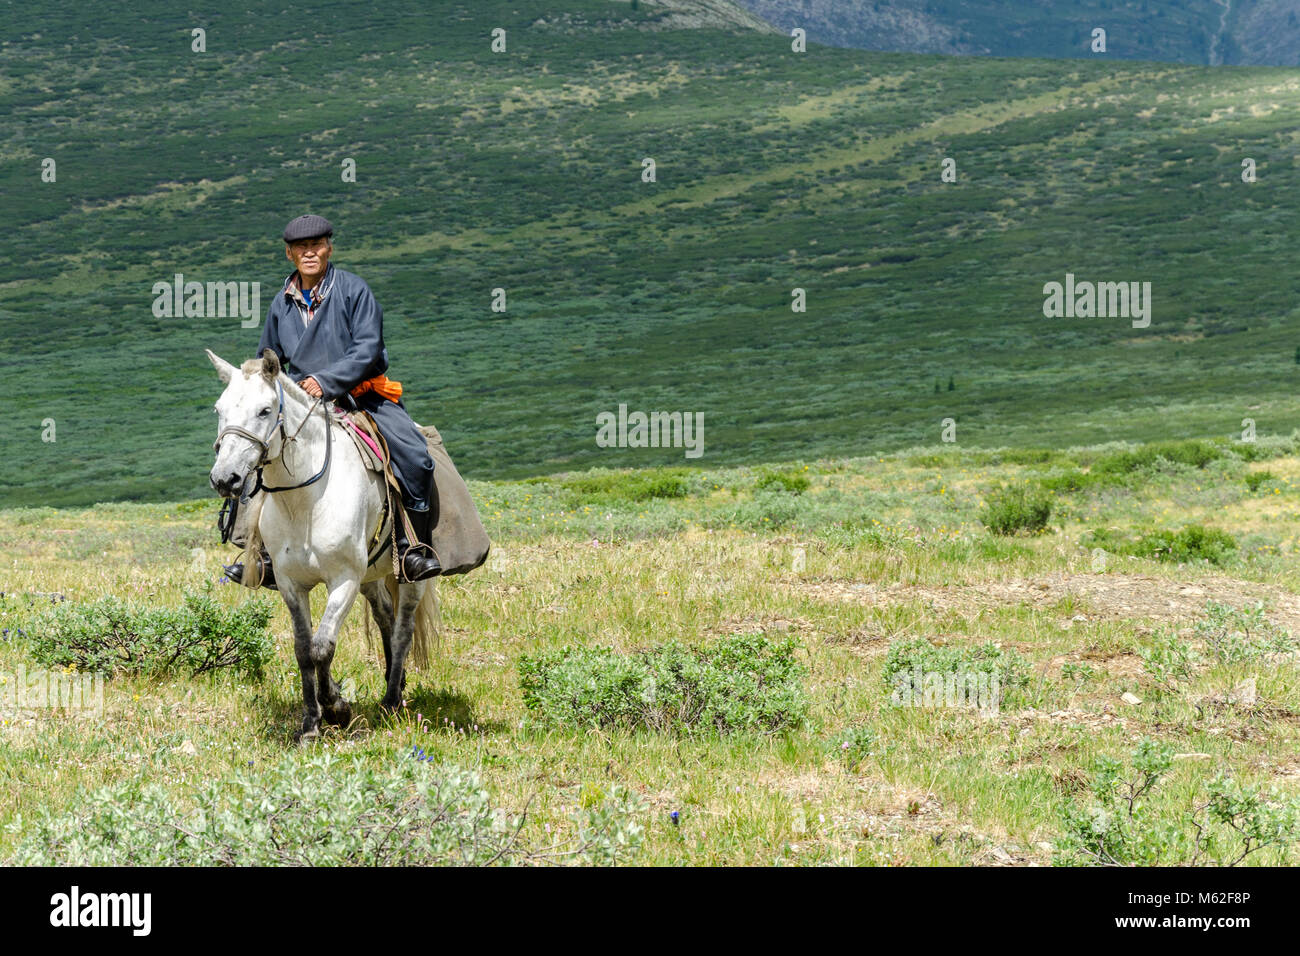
x=224, y=369
x=270, y=365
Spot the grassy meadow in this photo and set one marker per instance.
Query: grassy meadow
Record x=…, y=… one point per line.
x=1138, y=612
x=851, y=557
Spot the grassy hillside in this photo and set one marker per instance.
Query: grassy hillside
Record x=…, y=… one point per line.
x=522, y=171
x=856, y=560
x=1185, y=31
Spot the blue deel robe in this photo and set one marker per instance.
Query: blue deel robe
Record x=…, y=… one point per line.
x=342, y=346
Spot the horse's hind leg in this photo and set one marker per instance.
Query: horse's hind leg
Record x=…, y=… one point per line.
x=408, y=600
x=381, y=608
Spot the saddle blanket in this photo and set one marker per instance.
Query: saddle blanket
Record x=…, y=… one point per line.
x=366, y=444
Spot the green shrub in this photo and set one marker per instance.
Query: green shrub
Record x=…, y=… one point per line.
x=931, y=460
x=766, y=511
x=911, y=662
x=1191, y=452
x=1021, y=456
x=321, y=811
x=1193, y=543
x=1256, y=478
x=1121, y=825
x=1241, y=636
x=1009, y=510
x=1080, y=672
x=622, y=487
x=111, y=636
x=745, y=682
x=795, y=482
x=1264, y=448
x=1115, y=829
x=1075, y=480
x=1168, y=661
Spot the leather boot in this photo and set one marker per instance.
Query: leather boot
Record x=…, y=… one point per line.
x=418, y=560
x=235, y=572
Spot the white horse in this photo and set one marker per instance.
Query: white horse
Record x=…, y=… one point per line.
x=317, y=529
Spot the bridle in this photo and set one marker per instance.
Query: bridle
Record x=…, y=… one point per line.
x=265, y=458
x=230, y=507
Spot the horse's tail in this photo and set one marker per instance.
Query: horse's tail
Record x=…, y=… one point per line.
x=428, y=621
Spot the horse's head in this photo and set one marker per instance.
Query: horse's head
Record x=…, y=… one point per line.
x=249, y=415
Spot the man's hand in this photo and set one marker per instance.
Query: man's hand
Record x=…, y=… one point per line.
x=311, y=387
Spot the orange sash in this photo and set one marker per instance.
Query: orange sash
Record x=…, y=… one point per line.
x=382, y=384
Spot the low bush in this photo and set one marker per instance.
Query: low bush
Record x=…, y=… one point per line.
x=1241, y=635
x=1192, y=543
x=1168, y=661
x=1122, y=824
x=795, y=482
x=766, y=511
x=1265, y=448
x=746, y=682
x=1256, y=478
x=1022, y=456
x=618, y=487
x=322, y=811
x=1075, y=480
x=1010, y=510
x=112, y=636
x=911, y=665
x=1194, y=452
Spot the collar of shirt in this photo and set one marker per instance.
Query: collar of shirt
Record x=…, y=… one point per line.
x=307, y=309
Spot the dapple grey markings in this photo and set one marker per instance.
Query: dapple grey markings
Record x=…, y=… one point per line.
x=316, y=534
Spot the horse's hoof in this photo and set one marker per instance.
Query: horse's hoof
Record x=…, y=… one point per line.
x=392, y=706
x=307, y=736
x=339, y=714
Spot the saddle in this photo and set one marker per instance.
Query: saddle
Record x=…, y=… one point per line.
x=363, y=431
x=459, y=538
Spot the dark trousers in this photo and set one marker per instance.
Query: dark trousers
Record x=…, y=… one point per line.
x=410, y=449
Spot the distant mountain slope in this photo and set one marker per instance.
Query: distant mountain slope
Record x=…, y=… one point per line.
x=658, y=15
x=522, y=171
x=1188, y=31
x=1265, y=31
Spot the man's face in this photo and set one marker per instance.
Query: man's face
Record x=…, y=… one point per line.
x=310, y=256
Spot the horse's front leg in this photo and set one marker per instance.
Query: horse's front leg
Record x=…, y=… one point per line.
x=298, y=601
x=342, y=594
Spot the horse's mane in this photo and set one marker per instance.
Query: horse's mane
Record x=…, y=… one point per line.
x=254, y=366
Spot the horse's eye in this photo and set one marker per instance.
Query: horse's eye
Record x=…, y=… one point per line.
x=263, y=413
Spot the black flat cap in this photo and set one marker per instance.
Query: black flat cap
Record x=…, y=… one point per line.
x=307, y=227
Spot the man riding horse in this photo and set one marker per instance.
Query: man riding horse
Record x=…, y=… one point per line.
x=328, y=332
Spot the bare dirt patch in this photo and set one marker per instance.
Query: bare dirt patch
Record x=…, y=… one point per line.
x=1092, y=597
x=762, y=623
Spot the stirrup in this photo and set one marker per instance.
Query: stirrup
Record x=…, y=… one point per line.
x=428, y=566
x=235, y=572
